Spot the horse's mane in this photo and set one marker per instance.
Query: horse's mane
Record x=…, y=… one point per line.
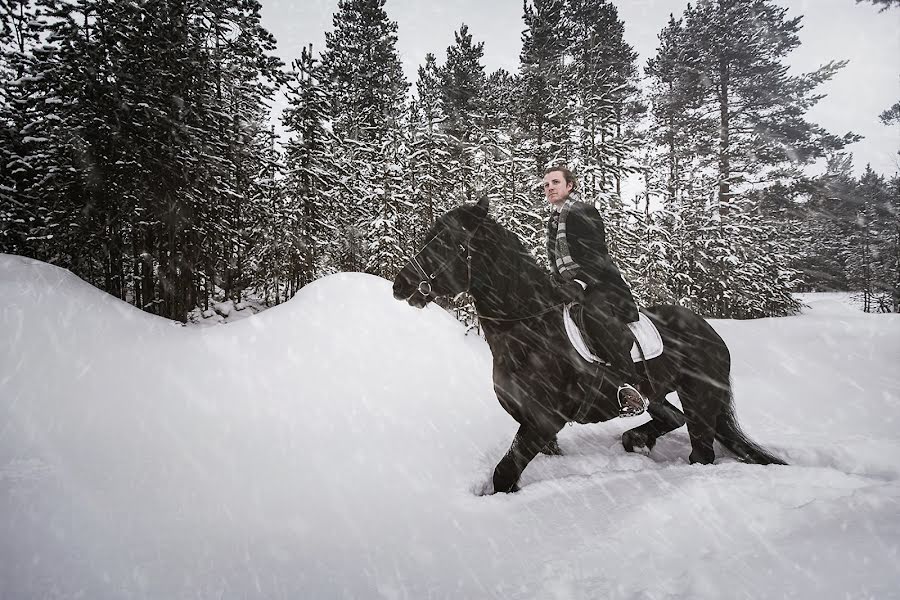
x=525, y=278
x=510, y=243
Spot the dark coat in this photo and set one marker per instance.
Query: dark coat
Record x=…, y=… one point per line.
x=586, y=237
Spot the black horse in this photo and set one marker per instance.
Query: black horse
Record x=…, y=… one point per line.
x=539, y=378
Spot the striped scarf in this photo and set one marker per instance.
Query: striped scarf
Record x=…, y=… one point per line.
x=558, y=247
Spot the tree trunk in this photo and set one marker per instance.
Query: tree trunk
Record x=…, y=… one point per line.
x=724, y=134
x=148, y=285
x=618, y=156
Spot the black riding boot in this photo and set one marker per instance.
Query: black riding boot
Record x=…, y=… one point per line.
x=610, y=339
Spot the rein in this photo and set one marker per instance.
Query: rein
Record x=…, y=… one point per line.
x=424, y=286
x=517, y=319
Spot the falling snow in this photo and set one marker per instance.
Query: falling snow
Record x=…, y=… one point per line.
x=332, y=447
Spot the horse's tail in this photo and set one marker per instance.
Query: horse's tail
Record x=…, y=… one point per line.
x=729, y=434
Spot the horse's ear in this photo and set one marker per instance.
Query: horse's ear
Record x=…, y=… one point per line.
x=481, y=209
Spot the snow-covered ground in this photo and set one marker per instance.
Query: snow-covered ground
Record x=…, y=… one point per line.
x=331, y=447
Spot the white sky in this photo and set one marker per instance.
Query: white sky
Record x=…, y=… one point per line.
x=833, y=30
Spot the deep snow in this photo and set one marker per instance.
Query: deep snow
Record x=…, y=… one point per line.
x=332, y=447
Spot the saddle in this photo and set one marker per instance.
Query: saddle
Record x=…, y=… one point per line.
x=648, y=343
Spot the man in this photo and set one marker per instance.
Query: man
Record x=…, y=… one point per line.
x=584, y=272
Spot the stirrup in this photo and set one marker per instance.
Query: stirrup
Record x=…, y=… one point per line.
x=626, y=410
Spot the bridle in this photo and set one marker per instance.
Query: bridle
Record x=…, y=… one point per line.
x=424, y=286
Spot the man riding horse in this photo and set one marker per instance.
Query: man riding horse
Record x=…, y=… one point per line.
x=585, y=273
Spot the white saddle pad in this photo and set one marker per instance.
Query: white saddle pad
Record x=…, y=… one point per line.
x=643, y=329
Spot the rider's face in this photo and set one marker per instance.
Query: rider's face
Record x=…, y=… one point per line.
x=556, y=188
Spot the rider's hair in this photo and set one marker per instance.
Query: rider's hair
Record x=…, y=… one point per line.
x=567, y=174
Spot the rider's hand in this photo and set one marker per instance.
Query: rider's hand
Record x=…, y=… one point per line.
x=568, y=291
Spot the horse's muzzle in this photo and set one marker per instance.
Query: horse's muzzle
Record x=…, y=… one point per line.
x=412, y=295
x=399, y=295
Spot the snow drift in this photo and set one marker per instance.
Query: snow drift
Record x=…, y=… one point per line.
x=331, y=447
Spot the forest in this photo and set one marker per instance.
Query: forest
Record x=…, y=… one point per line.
x=138, y=150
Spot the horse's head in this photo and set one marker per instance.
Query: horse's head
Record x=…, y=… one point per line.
x=443, y=265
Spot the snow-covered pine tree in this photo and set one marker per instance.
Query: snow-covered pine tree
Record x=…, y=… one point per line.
x=853, y=234
x=495, y=128
x=545, y=104
x=510, y=178
x=18, y=37
x=307, y=222
x=652, y=264
x=429, y=150
x=723, y=102
x=688, y=219
x=868, y=265
x=462, y=100
x=136, y=116
x=893, y=254
x=245, y=75
x=738, y=48
x=71, y=149
x=387, y=237
x=601, y=76
x=829, y=215
x=676, y=121
x=367, y=90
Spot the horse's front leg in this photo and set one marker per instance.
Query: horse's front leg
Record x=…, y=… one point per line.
x=528, y=442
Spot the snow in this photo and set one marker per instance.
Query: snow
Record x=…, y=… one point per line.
x=333, y=447
x=221, y=313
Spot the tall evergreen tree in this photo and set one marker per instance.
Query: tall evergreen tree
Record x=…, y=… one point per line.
x=602, y=77
x=307, y=222
x=367, y=90
x=462, y=94
x=738, y=48
x=430, y=149
x=141, y=125
x=19, y=32
x=545, y=102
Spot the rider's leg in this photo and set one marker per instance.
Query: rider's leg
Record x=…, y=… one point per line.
x=610, y=339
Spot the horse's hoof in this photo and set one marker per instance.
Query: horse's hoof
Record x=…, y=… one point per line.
x=635, y=439
x=490, y=491
x=701, y=458
x=552, y=449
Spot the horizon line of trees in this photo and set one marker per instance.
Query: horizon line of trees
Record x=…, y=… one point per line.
x=137, y=151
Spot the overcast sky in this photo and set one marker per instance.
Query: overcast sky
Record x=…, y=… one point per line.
x=832, y=30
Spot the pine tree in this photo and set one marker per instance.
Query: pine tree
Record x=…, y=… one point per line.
x=510, y=176
x=143, y=128
x=892, y=233
x=367, y=89
x=462, y=99
x=430, y=149
x=602, y=77
x=677, y=126
x=545, y=103
x=307, y=219
x=871, y=265
x=723, y=105
x=738, y=48
x=19, y=34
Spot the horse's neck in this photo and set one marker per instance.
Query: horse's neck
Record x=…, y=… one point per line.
x=508, y=286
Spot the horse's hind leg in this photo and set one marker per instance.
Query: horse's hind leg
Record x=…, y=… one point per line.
x=665, y=418
x=701, y=403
